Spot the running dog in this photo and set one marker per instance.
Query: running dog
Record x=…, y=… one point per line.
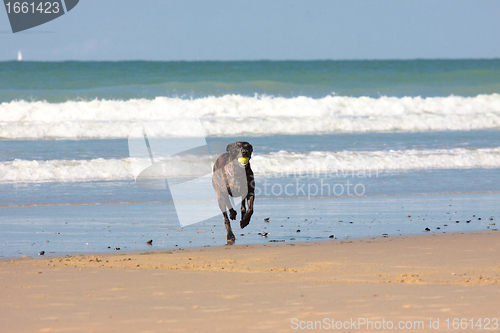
x=233, y=177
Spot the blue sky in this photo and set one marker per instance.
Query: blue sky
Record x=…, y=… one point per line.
x=254, y=30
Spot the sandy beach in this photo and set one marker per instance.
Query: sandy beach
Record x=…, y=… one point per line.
x=405, y=280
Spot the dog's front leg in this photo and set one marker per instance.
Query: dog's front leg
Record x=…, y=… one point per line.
x=230, y=235
x=223, y=205
x=245, y=220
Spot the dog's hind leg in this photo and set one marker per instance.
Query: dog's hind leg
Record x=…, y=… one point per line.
x=232, y=214
x=243, y=208
x=226, y=202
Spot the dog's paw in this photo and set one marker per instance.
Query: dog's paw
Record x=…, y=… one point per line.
x=244, y=222
x=230, y=239
x=232, y=214
x=246, y=218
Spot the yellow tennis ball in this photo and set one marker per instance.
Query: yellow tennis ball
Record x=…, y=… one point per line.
x=243, y=160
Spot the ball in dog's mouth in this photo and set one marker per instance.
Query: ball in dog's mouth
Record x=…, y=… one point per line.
x=243, y=160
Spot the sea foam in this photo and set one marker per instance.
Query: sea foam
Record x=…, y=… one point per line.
x=277, y=163
x=232, y=115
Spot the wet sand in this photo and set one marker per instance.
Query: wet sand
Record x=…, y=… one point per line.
x=274, y=287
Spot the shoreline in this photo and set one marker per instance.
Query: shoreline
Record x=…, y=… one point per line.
x=271, y=242
x=109, y=259
x=263, y=286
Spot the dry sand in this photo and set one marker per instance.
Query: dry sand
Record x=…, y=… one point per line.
x=259, y=287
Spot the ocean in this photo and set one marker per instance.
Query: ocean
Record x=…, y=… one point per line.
x=342, y=149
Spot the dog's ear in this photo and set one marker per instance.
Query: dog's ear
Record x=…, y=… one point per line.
x=230, y=147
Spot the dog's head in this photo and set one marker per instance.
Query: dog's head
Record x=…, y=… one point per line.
x=240, y=150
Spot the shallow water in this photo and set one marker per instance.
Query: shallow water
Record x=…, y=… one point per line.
x=63, y=230
x=72, y=217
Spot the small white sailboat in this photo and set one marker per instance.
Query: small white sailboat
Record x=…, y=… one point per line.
x=19, y=56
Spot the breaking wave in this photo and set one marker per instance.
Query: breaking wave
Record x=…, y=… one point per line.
x=273, y=163
x=232, y=115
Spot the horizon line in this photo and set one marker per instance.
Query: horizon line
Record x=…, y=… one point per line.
x=260, y=60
